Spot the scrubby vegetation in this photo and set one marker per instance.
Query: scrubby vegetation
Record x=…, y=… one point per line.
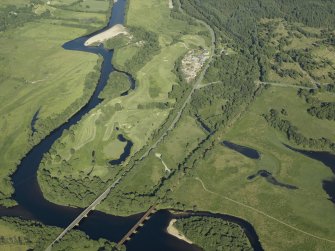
x=13, y=16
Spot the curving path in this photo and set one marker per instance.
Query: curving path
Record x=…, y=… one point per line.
x=263, y=213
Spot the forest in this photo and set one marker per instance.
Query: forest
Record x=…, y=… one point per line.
x=117, y=84
x=214, y=234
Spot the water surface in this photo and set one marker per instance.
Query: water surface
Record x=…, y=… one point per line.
x=246, y=151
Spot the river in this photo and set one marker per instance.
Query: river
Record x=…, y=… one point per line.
x=33, y=206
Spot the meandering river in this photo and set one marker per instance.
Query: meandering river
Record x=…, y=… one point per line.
x=33, y=206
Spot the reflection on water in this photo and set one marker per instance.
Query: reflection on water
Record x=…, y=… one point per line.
x=271, y=179
x=246, y=151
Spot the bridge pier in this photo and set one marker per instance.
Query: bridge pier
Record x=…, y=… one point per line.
x=139, y=224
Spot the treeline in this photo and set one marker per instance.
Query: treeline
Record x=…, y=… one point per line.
x=176, y=14
x=318, y=13
x=306, y=60
x=38, y=236
x=321, y=110
x=214, y=234
x=149, y=46
x=44, y=126
x=273, y=118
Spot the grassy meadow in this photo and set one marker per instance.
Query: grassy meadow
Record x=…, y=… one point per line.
x=224, y=174
x=37, y=74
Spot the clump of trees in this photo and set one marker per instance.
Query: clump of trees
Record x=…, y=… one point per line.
x=118, y=83
x=116, y=42
x=321, y=110
x=76, y=192
x=214, y=234
x=274, y=119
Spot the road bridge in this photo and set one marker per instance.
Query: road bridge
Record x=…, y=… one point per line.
x=84, y=213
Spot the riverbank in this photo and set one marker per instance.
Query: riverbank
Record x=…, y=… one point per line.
x=172, y=230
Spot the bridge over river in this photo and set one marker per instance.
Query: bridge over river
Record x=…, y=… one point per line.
x=84, y=213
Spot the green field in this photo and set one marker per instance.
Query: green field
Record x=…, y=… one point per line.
x=37, y=74
x=224, y=173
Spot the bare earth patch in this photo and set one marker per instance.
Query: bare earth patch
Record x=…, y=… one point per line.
x=170, y=4
x=107, y=34
x=192, y=63
x=171, y=229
